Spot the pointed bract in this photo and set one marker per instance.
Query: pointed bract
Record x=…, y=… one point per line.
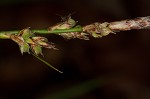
x=25, y=33
x=24, y=48
x=66, y=24
x=36, y=49
x=43, y=42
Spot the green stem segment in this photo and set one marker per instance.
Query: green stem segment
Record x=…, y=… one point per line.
x=58, y=31
x=44, y=31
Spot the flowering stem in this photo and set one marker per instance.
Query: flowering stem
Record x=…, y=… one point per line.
x=100, y=29
x=69, y=30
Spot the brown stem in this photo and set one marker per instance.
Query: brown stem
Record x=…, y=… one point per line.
x=102, y=29
x=137, y=23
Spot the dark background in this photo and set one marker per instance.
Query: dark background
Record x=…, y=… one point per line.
x=112, y=67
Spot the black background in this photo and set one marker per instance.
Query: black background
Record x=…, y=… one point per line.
x=121, y=60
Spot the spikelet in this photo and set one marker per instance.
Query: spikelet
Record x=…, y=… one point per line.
x=28, y=41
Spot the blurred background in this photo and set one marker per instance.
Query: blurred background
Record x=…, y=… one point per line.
x=112, y=67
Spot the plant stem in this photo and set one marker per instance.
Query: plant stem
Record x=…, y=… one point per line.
x=95, y=29
x=44, y=31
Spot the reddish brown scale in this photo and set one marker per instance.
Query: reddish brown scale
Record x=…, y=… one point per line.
x=73, y=35
x=95, y=27
x=17, y=39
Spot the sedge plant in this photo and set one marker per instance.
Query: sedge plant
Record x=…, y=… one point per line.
x=32, y=44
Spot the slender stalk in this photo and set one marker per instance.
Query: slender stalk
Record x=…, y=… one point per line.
x=58, y=31
x=45, y=31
